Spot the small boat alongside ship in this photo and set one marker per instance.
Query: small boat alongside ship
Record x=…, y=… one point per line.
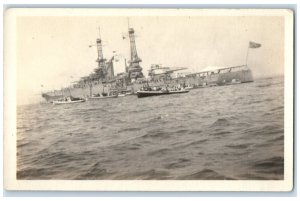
x=147, y=91
x=125, y=92
x=102, y=97
x=142, y=94
x=68, y=100
x=110, y=94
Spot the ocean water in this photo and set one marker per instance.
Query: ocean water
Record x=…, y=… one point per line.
x=217, y=133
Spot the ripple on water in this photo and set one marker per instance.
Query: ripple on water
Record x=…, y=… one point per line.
x=202, y=135
x=205, y=174
x=273, y=165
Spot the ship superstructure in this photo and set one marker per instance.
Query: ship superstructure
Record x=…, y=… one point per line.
x=102, y=79
x=158, y=72
x=105, y=70
x=134, y=69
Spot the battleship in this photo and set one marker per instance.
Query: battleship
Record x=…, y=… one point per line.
x=103, y=79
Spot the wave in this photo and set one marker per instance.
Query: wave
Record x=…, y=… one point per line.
x=134, y=110
x=103, y=127
x=268, y=99
x=249, y=176
x=197, y=142
x=87, y=153
x=129, y=129
x=264, y=85
x=277, y=108
x=159, y=117
x=35, y=173
x=97, y=109
x=126, y=147
x=272, y=130
x=23, y=144
x=61, y=141
x=56, y=158
x=146, y=175
x=255, y=101
x=95, y=172
x=273, y=165
x=21, y=127
x=116, y=120
x=156, y=134
x=277, y=139
x=169, y=104
x=159, y=152
x=205, y=174
x=265, y=130
x=239, y=146
x=195, y=131
x=221, y=133
x=181, y=131
x=180, y=163
x=221, y=122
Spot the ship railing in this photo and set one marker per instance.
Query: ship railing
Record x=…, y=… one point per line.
x=218, y=71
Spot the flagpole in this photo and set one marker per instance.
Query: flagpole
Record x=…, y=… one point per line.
x=247, y=55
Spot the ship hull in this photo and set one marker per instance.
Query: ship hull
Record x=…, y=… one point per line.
x=242, y=76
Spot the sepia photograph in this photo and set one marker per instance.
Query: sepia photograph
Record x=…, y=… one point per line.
x=148, y=99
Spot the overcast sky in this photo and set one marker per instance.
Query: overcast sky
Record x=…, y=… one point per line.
x=54, y=51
